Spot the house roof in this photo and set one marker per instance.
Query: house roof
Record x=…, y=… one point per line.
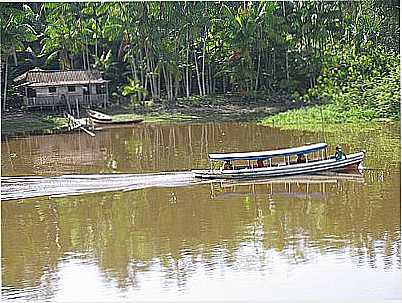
x=40, y=77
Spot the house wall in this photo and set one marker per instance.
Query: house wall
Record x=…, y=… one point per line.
x=46, y=98
x=60, y=90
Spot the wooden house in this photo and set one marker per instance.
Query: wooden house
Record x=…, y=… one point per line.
x=50, y=88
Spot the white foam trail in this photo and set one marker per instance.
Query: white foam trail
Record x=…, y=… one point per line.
x=27, y=187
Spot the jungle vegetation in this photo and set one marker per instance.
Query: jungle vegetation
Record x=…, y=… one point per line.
x=342, y=55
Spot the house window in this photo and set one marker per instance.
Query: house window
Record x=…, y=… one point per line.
x=31, y=92
x=52, y=89
x=71, y=88
x=100, y=89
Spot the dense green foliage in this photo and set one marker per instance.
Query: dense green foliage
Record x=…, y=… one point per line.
x=345, y=53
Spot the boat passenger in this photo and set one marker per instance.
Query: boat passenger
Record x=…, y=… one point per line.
x=260, y=163
x=227, y=165
x=301, y=158
x=339, y=154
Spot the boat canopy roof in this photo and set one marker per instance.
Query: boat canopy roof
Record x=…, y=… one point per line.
x=269, y=153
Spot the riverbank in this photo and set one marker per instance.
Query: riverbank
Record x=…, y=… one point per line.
x=349, y=128
x=217, y=108
x=322, y=117
x=26, y=123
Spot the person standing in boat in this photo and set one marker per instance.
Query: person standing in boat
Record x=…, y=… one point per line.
x=260, y=163
x=339, y=154
x=227, y=165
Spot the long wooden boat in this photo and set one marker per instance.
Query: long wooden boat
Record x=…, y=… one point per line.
x=98, y=116
x=286, y=168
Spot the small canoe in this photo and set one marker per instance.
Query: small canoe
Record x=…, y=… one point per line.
x=288, y=167
x=98, y=116
x=112, y=122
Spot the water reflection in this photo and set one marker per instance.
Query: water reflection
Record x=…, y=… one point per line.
x=128, y=234
x=302, y=186
x=240, y=241
x=142, y=148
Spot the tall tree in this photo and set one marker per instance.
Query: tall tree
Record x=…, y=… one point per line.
x=16, y=31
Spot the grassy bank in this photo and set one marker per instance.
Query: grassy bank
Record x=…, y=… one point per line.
x=353, y=129
x=207, y=108
x=315, y=118
x=28, y=123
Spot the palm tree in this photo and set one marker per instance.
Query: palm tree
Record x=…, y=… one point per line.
x=15, y=33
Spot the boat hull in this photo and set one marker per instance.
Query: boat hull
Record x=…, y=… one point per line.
x=111, y=122
x=351, y=163
x=99, y=117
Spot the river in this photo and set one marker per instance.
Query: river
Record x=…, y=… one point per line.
x=117, y=217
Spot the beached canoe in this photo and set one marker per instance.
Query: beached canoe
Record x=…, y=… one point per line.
x=112, y=122
x=98, y=116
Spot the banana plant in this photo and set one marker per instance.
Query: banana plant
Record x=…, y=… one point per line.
x=132, y=88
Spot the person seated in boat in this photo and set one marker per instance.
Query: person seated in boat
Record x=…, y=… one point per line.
x=300, y=158
x=260, y=163
x=227, y=165
x=339, y=154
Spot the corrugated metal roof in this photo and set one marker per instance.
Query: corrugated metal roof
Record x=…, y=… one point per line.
x=269, y=154
x=52, y=77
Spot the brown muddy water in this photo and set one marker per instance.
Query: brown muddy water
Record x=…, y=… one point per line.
x=94, y=219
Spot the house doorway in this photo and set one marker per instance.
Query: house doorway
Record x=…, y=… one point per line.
x=87, y=95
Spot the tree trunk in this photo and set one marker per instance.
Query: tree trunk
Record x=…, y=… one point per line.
x=258, y=72
x=187, y=68
x=286, y=54
x=171, y=86
x=198, y=73
x=96, y=47
x=203, y=61
x=83, y=61
x=142, y=70
x=211, y=75
x=287, y=65
x=5, y=84
x=168, y=83
x=207, y=82
x=164, y=75
x=149, y=70
x=184, y=88
x=154, y=79
x=14, y=53
x=210, y=86
x=134, y=72
x=159, y=85
x=176, y=88
x=87, y=57
x=72, y=61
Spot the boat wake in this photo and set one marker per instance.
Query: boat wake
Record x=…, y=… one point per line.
x=13, y=188
x=27, y=187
